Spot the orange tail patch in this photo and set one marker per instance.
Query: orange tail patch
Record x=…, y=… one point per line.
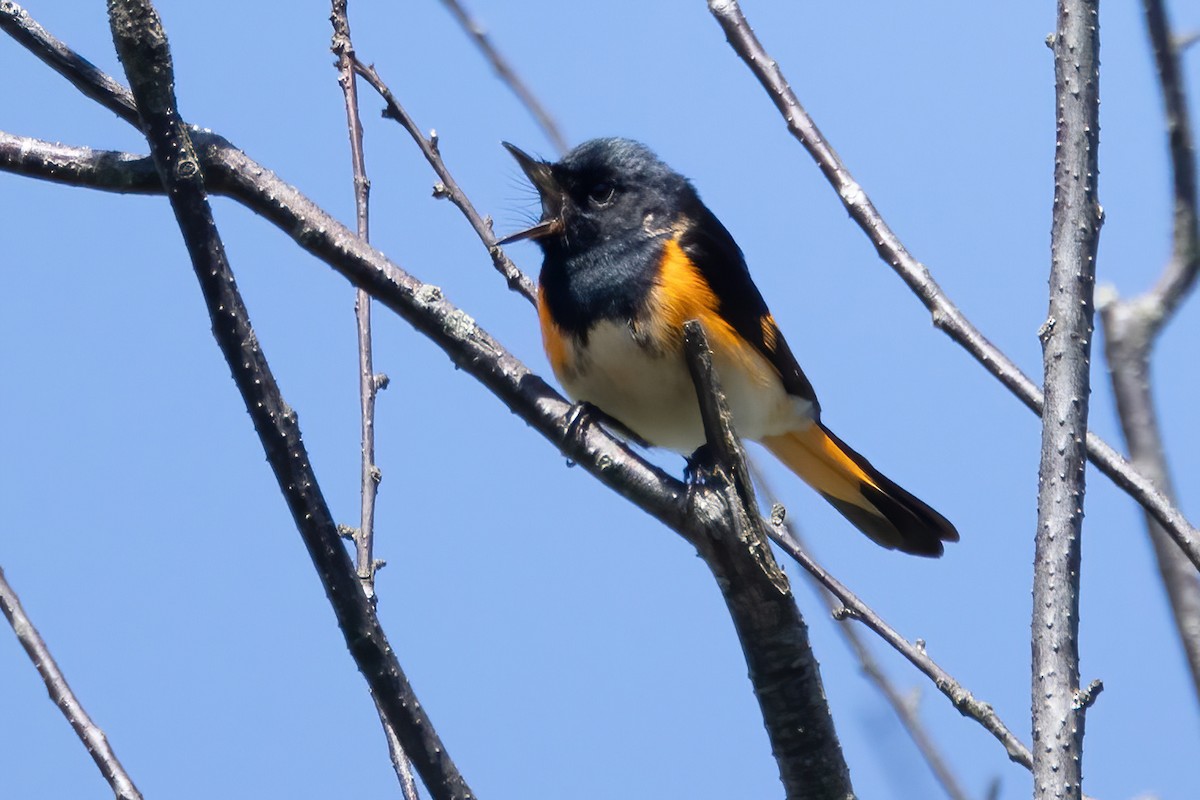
x=862, y=494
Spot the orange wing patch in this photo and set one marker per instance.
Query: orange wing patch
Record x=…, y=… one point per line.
x=553, y=339
x=770, y=331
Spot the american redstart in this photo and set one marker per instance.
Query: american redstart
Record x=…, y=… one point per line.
x=631, y=254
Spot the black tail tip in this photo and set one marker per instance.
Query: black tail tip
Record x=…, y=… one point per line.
x=912, y=528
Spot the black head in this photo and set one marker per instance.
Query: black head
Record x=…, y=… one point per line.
x=604, y=190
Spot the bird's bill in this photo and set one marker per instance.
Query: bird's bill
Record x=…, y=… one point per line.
x=545, y=228
x=543, y=180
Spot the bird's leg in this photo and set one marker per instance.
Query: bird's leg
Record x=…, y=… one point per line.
x=579, y=416
x=584, y=412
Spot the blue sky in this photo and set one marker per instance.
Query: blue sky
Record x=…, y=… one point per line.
x=563, y=642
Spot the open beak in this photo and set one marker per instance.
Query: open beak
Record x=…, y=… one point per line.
x=542, y=178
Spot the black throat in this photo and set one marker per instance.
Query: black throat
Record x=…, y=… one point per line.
x=608, y=281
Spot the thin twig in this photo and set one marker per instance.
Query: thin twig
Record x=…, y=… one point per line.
x=1179, y=277
x=369, y=383
x=774, y=637
x=905, y=710
x=1132, y=326
x=447, y=187
x=364, y=537
x=143, y=49
x=92, y=82
x=946, y=315
x=508, y=75
x=1066, y=336
x=966, y=703
x=60, y=692
x=401, y=764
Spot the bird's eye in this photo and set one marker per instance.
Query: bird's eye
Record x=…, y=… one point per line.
x=601, y=194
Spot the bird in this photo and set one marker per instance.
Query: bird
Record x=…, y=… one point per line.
x=630, y=254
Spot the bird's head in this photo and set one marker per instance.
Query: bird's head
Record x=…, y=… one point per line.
x=604, y=189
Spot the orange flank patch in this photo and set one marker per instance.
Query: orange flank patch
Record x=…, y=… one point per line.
x=683, y=294
x=553, y=339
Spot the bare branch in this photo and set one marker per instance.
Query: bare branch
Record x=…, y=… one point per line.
x=401, y=764
x=1179, y=277
x=368, y=384
x=107, y=170
x=448, y=187
x=364, y=538
x=60, y=692
x=774, y=638
x=143, y=49
x=1131, y=328
x=1058, y=716
x=507, y=75
x=81, y=73
x=946, y=315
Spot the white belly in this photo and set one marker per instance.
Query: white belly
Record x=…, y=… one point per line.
x=653, y=395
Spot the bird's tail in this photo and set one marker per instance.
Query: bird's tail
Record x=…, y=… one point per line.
x=877, y=506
